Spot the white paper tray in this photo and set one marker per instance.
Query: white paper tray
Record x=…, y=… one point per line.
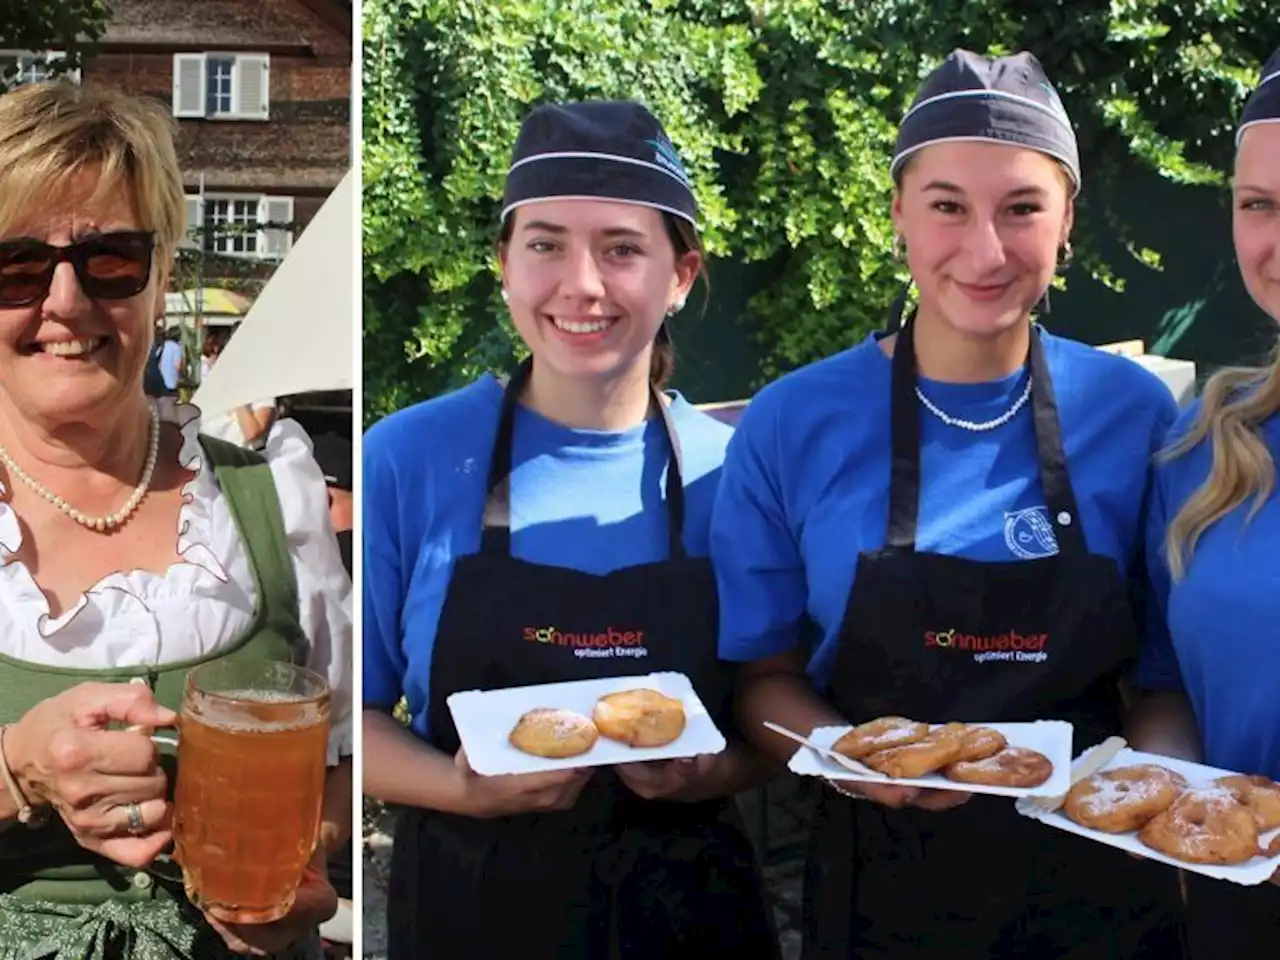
x=1049, y=737
x=485, y=718
x=1251, y=873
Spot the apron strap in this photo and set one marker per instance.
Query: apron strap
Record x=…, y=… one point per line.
x=906, y=414
x=495, y=536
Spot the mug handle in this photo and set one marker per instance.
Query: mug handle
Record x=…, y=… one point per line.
x=160, y=739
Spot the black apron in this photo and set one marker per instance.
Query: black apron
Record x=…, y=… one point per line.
x=980, y=881
x=615, y=877
x=1226, y=921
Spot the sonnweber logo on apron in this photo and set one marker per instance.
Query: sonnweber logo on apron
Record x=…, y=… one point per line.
x=1008, y=646
x=606, y=643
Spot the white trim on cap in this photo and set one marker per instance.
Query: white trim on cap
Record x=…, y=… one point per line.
x=1246, y=126
x=1253, y=123
x=582, y=155
x=1059, y=115
x=1067, y=162
x=634, y=203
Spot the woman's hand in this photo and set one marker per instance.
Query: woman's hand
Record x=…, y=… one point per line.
x=63, y=755
x=518, y=793
x=895, y=798
x=680, y=779
x=316, y=902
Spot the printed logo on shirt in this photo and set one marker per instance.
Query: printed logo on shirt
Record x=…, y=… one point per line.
x=987, y=648
x=610, y=642
x=1029, y=534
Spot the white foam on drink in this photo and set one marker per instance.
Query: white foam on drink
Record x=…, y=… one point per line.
x=226, y=712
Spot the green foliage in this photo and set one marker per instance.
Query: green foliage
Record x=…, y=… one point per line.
x=69, y=26
x=784, y=111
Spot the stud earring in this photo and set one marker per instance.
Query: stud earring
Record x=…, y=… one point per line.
x=675, y=308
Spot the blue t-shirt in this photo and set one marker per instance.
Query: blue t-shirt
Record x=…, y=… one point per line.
x=806, y=484
x=582, y=499
x=1216, y=632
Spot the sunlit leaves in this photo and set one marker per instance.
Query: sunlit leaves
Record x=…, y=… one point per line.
x=785, y=113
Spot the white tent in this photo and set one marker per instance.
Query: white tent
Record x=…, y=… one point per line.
x=299, y=333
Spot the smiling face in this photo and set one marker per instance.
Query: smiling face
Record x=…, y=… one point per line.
x=68, y=355
x=589, y=283
x=1256, y=217
x=982, y=224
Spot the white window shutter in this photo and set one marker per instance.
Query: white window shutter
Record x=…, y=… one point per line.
x=195, y=221
x=253, y=86
x=274, y=242
x=189, y=84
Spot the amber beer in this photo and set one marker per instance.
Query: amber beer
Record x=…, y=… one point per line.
x=251, y=769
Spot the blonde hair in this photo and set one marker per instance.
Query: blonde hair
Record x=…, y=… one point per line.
x=1236, y=402
x=51, y=133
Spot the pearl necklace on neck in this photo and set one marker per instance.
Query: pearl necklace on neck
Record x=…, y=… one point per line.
x=971, y=425
x=111, y=520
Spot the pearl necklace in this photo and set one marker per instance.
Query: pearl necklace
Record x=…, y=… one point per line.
x=969, y=424
x=112, y=520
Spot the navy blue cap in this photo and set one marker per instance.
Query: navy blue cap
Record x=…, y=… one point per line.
x=997, y=99
x=1264, y=105
x=600, y=150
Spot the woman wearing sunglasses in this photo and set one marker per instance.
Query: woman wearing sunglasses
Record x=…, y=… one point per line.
x=965, y=473
x=125, y=561
x=1212, y=660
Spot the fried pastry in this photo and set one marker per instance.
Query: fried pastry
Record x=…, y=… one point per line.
x=554, y=734
x=1011, y=767
x=1260, y=794
x=978, y=743
x=639, y=718
x=1206, y=825
x=939, y=748
x=1124, y=799
x=881, y=734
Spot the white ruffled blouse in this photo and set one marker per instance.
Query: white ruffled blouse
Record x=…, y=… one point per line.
x=205, y=602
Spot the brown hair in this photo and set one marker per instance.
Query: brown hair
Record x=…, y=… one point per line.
x=52, y=132
x=684, y=239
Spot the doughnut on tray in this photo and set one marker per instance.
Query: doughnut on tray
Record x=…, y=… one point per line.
x=1250, y=873
x=486, y=718
x=1052, y=738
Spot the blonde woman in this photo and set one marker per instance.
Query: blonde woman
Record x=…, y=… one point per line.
x=124, y=560
x=1212, y=655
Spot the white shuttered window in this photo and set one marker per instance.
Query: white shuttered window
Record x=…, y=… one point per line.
x=222, y=86
x=19, y=67
x=242, y=224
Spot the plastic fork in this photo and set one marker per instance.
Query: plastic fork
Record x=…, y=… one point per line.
x=1085, y=767
x=853, y=766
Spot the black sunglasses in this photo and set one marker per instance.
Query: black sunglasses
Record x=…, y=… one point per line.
x=109, y=266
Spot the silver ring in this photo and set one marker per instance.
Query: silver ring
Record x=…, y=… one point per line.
x=135, y=818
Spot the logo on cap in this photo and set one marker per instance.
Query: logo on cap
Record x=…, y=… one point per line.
x=1054, y=99
x=665, y=155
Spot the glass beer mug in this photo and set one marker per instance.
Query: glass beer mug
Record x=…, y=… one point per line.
x=252, y=746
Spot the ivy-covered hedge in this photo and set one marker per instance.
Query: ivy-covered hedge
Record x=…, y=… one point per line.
x=784, y=111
